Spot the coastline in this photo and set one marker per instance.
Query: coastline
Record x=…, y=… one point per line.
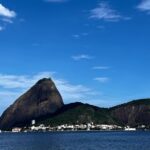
x=78, y=131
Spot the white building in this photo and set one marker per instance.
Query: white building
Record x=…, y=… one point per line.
x=129, y=129
x=15, y=130
x=33, y=122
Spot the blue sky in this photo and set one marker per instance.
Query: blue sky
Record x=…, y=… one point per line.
x=97, y=52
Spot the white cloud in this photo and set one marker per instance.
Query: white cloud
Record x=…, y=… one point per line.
x=6, y=97
x=102, y=79
x=21, y=83
x=105, y=12
x=5, y=12
x=144, y=6
x=81, y=57
x=7, y=20
x=56, y=1
x=72, y=92
x=6, y=16
x=100, y=68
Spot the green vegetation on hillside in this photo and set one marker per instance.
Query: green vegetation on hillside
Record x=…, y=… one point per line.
x=78, y=113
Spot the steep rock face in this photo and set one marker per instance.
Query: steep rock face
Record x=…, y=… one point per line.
x=134, y=113
x=41, y=100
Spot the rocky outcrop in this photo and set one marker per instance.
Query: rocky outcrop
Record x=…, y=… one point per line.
x=134, y=113
x=41, y=100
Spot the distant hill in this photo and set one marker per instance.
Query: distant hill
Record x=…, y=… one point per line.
x=134, y=113
x=78, y=113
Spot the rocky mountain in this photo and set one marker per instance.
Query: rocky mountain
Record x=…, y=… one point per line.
x=44, y=103
x=134, y=113
x=41, y=100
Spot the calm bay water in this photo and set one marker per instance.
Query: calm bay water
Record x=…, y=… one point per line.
x=76, y=141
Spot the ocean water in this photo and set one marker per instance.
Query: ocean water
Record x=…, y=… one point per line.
x=75, y=141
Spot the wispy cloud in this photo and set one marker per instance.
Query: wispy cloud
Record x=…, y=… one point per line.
x=6, y=99
x=22, y=81
x=56, y=1
x=106, y=13
x=102, y=79
x=101, y=68
x=12, y=86
x=82, y=57
x=144, y=6
x=5, y=12
x=7, y=20
x=6, y=16
x=78, y=36
x=72, y=92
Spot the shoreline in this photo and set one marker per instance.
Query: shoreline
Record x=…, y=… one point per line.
x=79, y=131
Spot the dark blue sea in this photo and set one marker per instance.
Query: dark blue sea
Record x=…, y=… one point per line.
x=75, y=141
